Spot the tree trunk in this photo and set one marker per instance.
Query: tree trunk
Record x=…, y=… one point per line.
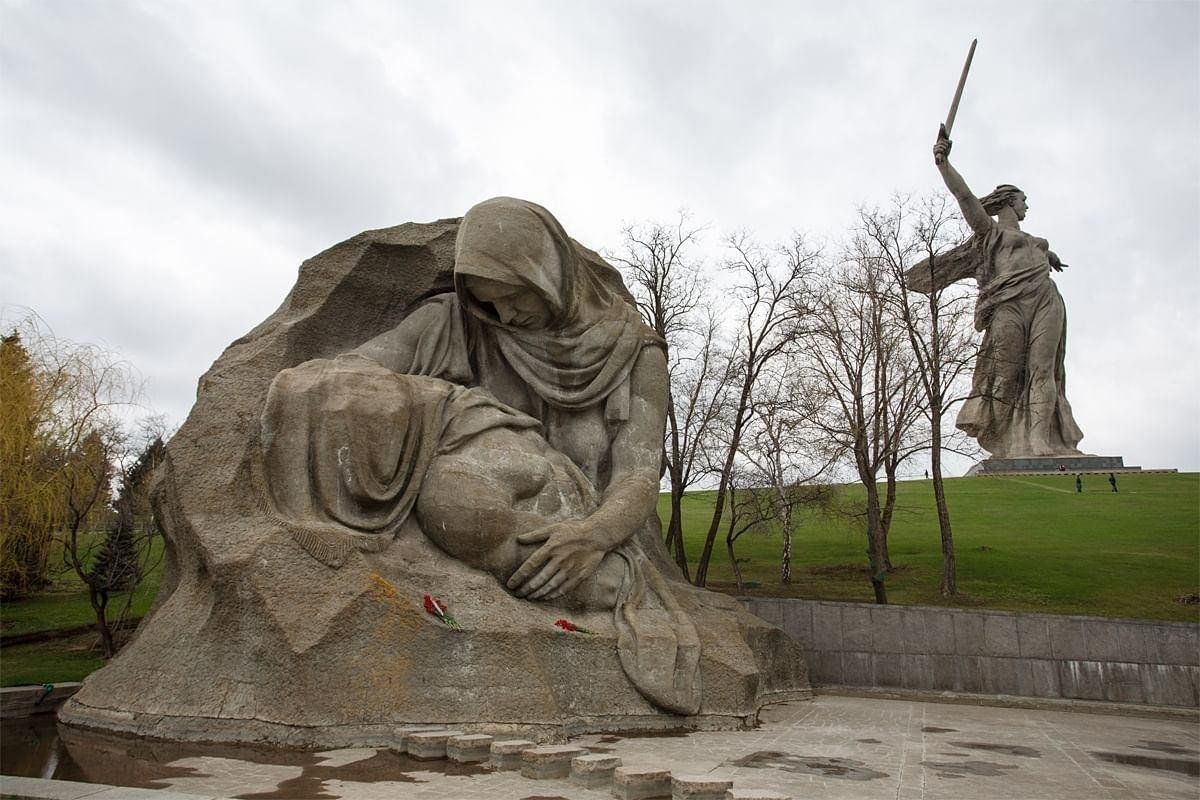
x=675, y=527
x=735, y=441
x=949, y=569
x=885, y=518
x=785, y=567
x=99, y=600
x=875, y=555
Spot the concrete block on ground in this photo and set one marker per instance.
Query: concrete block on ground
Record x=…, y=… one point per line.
x=1000, y=637
x=699, y=787
x=593, y=770
x=550, y=761
x=506, y=753
x=428, y=745
x=20, y=787
x=470, y=748
x=826, y=627
x=755, y=794
x=968, y=634
x=856, y=627
x=398, y=740
x=634, y=783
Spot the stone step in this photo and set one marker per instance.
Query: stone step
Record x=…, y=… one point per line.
x=699, y=787
x=550, y=761
x=593, y=770
x=428, y=745
x=470, y=748
x=639, y=783
x=755, y=794
x=506, y=753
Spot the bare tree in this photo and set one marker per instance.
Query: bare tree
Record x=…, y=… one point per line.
x=117, y=563
x=768, y=298
x=864, y=387
x=937, y=326
x=664, y=274
x=781, y=458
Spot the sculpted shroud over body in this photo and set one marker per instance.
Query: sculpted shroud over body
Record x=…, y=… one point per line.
x=1018, y=404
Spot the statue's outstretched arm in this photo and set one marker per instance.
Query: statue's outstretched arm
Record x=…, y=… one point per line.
x=573, y=549
x=972, y=209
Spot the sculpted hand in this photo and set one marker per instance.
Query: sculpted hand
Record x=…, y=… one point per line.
x=941, y=150
x=568, y=556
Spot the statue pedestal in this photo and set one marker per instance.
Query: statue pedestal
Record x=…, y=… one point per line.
x=1085, y=463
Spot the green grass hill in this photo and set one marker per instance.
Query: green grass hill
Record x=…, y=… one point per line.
x=1023, y=543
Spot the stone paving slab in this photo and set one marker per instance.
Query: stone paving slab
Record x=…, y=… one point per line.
x=833, y=747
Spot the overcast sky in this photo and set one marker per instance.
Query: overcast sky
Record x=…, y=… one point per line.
x=165, y=167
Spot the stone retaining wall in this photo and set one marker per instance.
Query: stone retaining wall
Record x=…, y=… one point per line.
x=993, y=652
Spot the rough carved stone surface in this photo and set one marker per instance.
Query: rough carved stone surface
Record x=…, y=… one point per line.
x=291, y=604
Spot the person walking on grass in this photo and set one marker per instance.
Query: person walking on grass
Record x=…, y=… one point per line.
x=1112, y=481
x=1078, y=483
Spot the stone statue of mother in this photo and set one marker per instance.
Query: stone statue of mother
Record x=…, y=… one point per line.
x=1018, y=403
x=552, y=335
x=467, y=409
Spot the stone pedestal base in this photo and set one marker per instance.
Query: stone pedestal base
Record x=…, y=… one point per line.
x=998, y=466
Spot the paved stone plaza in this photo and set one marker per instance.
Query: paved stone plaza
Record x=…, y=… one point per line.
x=833, y=747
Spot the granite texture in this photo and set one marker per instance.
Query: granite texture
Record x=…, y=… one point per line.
x=997, y=652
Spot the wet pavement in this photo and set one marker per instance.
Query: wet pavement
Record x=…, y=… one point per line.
x=832, y=747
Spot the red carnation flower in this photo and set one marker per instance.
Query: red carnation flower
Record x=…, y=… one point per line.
x=571, y=627
x=438, y=609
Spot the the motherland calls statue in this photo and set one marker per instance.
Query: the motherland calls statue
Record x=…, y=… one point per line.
x=1018, y=404
x=464, y=411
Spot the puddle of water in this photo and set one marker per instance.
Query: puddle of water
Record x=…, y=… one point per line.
x=1007, y=749
x=936, y=729
x=37, y=747
x=1183, y=766
x=1166, y=747
x=846, y=768
x=961, y=769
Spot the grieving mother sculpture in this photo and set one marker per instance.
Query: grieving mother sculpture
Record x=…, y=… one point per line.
x=470, y=409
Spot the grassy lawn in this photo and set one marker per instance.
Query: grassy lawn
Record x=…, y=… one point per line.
x=63, y=605
x=57, y=661
x=1023, y=544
